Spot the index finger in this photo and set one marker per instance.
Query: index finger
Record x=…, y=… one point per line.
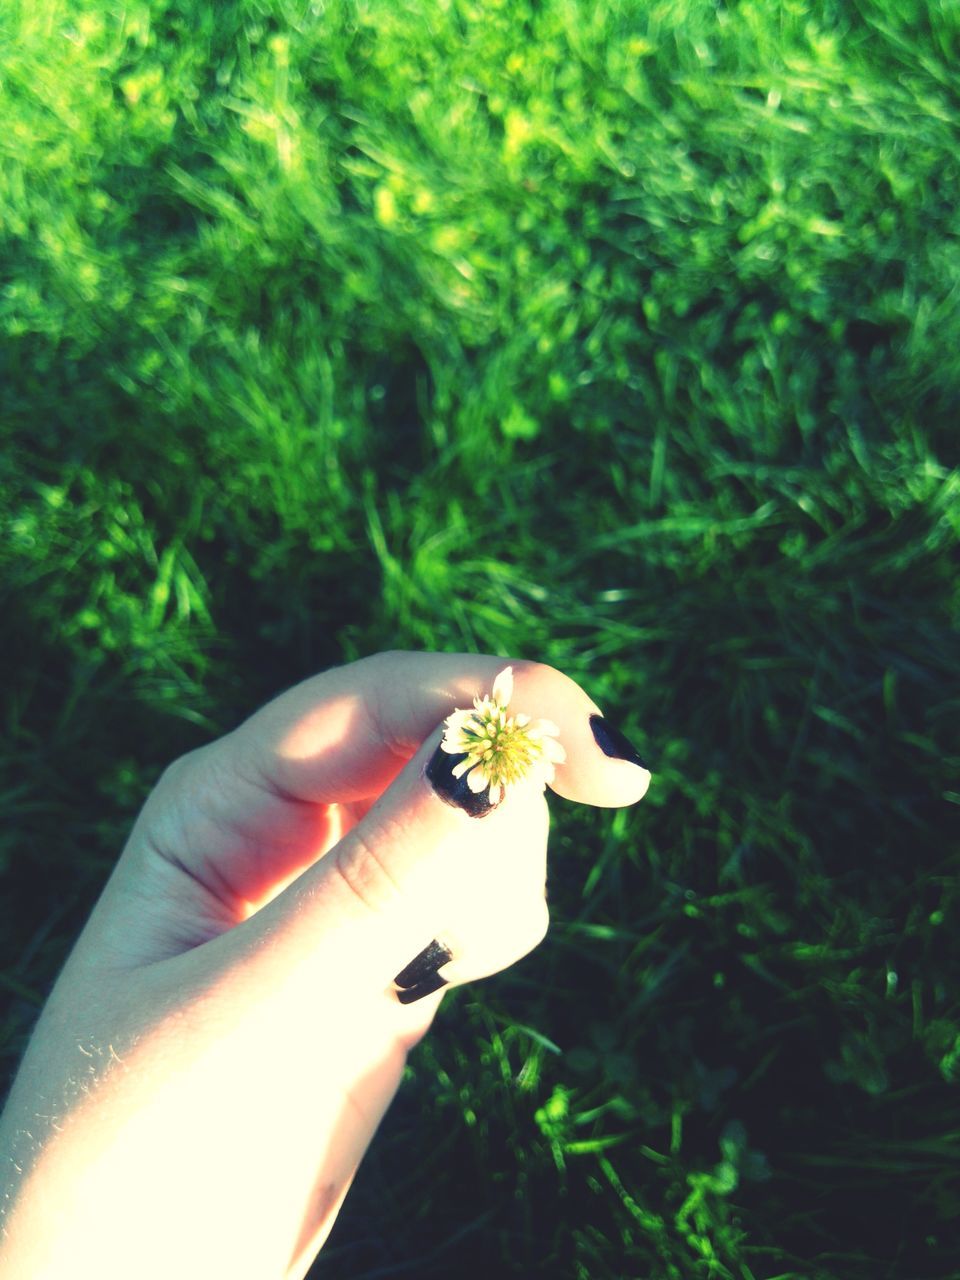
x=343, y=735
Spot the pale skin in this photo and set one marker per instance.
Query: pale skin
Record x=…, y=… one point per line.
x=224, y=1039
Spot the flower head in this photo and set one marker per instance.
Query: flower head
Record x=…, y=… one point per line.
x=500, y=749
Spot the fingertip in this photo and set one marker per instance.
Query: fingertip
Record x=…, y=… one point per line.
x=617, y=785
x=636, y=783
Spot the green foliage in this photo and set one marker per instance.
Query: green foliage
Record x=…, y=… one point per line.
x=624, y=337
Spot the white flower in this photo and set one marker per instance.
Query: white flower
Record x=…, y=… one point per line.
x=501, y=749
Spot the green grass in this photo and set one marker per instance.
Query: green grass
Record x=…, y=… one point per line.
x=625, y=337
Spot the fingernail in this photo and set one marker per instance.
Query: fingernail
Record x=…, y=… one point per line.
x=613, y=743
x=454, y=791
x=430, y=959
x=422, y=989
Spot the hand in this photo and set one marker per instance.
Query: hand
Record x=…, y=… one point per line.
x=226, y=1034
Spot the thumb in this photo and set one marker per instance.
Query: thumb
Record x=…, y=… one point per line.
x=415, y=862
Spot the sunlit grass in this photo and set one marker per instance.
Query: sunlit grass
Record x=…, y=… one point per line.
x=626, y=338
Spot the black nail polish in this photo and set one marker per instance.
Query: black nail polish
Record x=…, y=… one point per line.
x=454, y=791
x=613, y=743
x=429, y=960
x=422, y=989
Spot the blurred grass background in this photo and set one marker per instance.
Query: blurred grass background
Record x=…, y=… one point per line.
x=625, y=337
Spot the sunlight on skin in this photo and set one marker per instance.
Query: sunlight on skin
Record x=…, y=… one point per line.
x=195, y=1072
x=323, y=730
x=337, y=828
x=199, y=1069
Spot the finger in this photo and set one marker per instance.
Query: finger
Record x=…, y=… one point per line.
x=496, y=919
x=414, y=862
x=339, y=736
x=468, y=953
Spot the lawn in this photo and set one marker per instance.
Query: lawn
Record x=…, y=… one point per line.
x=624, y=337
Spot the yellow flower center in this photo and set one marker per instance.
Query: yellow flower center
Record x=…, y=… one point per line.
x=503, y=749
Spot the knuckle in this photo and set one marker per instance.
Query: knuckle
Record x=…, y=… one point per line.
x=189, y=792
x=529, y=667
x=177, y=775
x=382, y=661
x=187, y=767
x=363, y=874
x=173, y=774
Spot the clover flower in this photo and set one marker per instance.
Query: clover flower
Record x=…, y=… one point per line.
x=501, y=750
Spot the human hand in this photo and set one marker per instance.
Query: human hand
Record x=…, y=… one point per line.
x=225, y=1036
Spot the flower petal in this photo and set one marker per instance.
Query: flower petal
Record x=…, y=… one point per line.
x=499, y=750
x=503, y=687
x=476, y=781
x=540, y=727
